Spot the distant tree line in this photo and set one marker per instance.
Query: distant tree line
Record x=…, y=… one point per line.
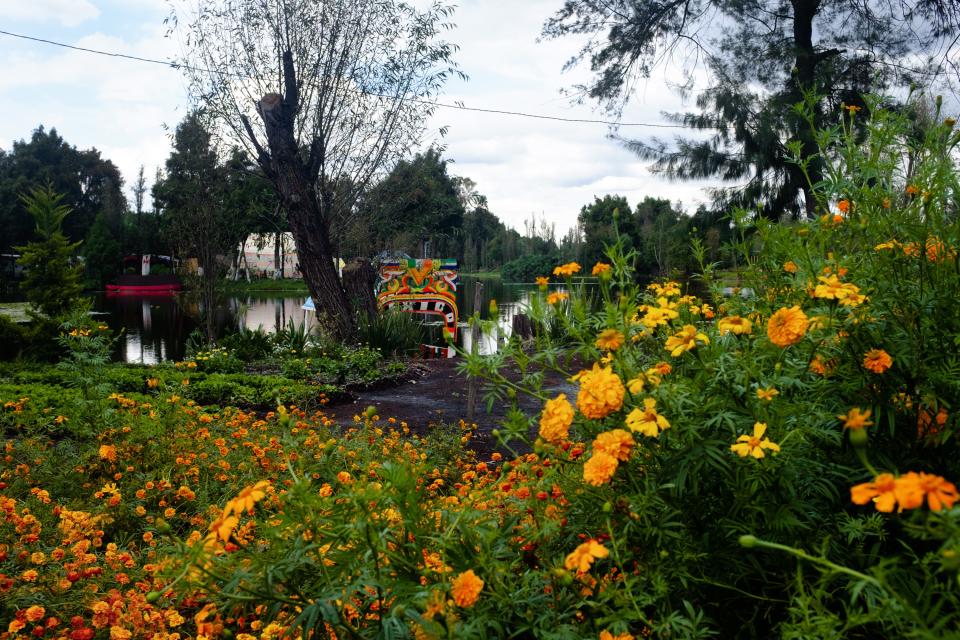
x=207, y=201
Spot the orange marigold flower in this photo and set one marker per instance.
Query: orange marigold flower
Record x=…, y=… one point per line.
x=684, y=340
x=108, y=452
x=912, y=190
x=754, y=445
x=606, y=635
x=34, y=613
x=616, y=443
x=601, y=392
x=344, y=477
x=599, y=468
x=542, y=281
x=787, y=326
x=735, y=325
x=855, y=419
x=609, y=340
x=938, y=492
x=556, y=419
x=647, y=421
x=566, y=270
x=466, y=588
x=581, y=558
x=844, y=206
x=790, y=266
x=877, y=360
x=557, y=297
x=601, y=269
x=886, y=492
x=767, y=394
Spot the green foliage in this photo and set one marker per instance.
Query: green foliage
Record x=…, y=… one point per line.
x=528, y=268
x=89, y=184
x=34, y=340
x=52, y=280
x=391, y=332
x=101, y=253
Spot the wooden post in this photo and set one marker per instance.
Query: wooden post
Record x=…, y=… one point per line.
x=472, y=383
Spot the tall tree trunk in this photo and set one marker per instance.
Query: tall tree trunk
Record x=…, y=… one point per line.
x=307, y=220
x=806, y=61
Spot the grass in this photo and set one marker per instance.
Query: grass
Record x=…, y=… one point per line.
x=286, y=285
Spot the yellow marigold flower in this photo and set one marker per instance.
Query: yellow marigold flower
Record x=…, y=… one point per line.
x=223, y=526
x=601, y=392
x=466, y=588
x=755, y=444
x=877, y=360
x=601, y=269
x=566, y=270
x=616, y=443
x=647, y=421
x=542, y=281
x=890, y=244
x=767, y=394
x=657, y=316
x=581, y=558
x=787, y=326
x=248, y=497
x=609, y=340
x=599, y=468
x=685, y=340
x=855, y=419
x=557, y=297
x=635, y=385
x=556, y=419
x=790, y=266
x=735, y=325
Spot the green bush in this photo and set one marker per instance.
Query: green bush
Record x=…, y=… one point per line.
x=392, y=332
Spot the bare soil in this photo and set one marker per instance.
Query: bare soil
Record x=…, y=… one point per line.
x=432, y=393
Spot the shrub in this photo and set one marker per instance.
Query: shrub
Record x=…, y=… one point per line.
x=392, y=332
x=527, y=268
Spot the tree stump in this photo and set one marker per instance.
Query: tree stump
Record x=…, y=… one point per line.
x=522, y=326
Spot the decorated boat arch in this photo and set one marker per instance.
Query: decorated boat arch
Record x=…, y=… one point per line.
x=427, y=286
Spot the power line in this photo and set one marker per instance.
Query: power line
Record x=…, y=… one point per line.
x=461, y=107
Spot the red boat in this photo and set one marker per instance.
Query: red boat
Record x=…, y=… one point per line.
x=133, y=284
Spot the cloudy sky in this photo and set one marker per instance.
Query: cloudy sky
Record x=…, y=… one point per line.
x=127, y=109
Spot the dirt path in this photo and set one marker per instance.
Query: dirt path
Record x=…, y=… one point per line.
x=436, y=393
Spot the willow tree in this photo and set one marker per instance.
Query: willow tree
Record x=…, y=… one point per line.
x=750, y=62
x=325, y=95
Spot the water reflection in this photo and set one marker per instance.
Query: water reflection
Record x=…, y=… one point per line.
x=152, y=329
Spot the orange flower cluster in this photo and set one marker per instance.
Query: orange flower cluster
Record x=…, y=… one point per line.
x=556, y=419
x=601, y=392
x=787, y=326
x=908, y=491
x=566, y=270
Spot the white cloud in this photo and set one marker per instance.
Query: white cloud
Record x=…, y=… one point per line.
x=68, y=13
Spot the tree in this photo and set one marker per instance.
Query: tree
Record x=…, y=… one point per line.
x=195, y=216
x=52, y=280
x=323, y=95
x=88, y=184
x=762, y=57
x=101, y=253
x=596, y=221
x=416, y=208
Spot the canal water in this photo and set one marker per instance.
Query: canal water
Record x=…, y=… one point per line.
x=152, y=329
